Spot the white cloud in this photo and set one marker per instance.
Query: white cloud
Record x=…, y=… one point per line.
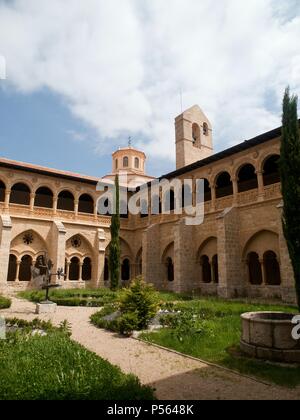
x=120, y=63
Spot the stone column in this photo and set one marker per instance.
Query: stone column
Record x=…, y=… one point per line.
x=67, y=273
x=76, y=207
x=18, y=270
x=261, y=188
x=55, y=200
x=32, y=199
x=234, y=181
x=58, y=249
x=80, y=271
x=5, y=240
x=213, y=197
x=7, y=199
x=262, y=264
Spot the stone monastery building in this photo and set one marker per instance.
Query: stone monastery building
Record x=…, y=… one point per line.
x=239, y=250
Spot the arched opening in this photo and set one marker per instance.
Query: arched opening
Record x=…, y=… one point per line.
x=44, y=198
x=66, y=201
x=144, y=208
x=87, y=269
x=169, y=201
x=170, y=269
x=215, y=266
x=123, y=209
x=74, y=270
x=271, y=170
x=116, y=164
x=206, y=269
x=196, y=135
x=25, y=268
x=2, y=192
x=104, y=207
x=187, y=196
x=20, y=194
x=86, y=204
x=156, y=206
x=106, y=270
x=247, y=179
x=224, y=185
x=12, y=268
x=207, y=191
x=125, y=162
x=255, y=271
x=137, y=163
x=272, y=269
x=125, y=270
x=205, y=129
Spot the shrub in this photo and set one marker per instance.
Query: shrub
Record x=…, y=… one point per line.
x=140, y=299
x=127, y=323
x=98, y=319
x=5, y=303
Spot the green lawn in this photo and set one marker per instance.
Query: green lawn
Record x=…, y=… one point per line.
x=5, y=303
x=218, y=327
x=56, y=368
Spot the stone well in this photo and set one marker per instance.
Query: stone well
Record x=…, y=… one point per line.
x=268, y=336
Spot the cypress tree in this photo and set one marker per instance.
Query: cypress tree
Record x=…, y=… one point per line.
x=114, y=249
x=290, y=181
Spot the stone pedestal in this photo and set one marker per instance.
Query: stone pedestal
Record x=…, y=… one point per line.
x=46, y=308
x=2, y=329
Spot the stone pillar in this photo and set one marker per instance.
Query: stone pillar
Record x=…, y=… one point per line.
x=287, y=273
x=263, y=272
x=234, y=181
x=58, y=249
x=32, y=199
x=7, y=199
x=102, y=241
x=18, y=270
x=261, y=188
x=213, y=197
x=5, y=240
x=80, y=271
x=231, y=282
x=76, y=207
x=184, y=260
x=55, y=200
x=67, y=273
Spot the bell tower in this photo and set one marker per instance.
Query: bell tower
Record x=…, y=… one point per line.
x=193, y=137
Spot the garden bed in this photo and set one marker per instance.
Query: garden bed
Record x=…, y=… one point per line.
x=5, y=303
x=53, y=367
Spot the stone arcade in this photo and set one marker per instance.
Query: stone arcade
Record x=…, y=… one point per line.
x=239, y=250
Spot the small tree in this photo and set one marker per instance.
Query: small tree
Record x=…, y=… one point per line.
x=140, y=301
x=290, y=181
x=114, y=248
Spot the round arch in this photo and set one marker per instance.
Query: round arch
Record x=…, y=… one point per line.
x=224, y=186
x=20, y=194
x=44, y=197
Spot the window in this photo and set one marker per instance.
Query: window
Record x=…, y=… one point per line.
x=255, y=271
x=106, y=270
x=125, y=270
x=86, y=204
x=215, y=265
x=25, y=268
x=44, y=198
x=66, y=201
x=271, y=170
x=205, y=129
x=125, y=162
x=247, y=179
x=12, y=268
x=196, y=135
x=2, y=192
x=74, y=270
x=224, y=185
x=206, y=269
x=20, y=194
x=170, y=269
x=272, y=269
x=116, y=163
x=87, y=269
x=137, y=163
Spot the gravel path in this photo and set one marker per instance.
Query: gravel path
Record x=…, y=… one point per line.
x=173, y=376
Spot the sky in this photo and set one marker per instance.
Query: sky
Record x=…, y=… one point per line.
x=83, y=76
